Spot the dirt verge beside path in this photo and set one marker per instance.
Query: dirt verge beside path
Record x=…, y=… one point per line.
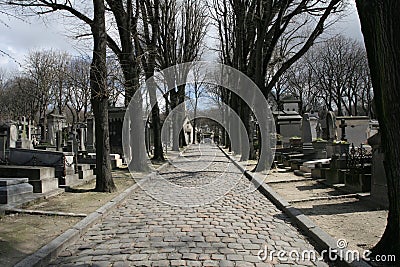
x=23, y=234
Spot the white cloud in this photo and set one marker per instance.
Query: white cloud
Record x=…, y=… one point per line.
x=20, y=37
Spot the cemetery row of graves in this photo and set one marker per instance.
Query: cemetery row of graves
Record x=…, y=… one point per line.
x=342, y=151
x=45, y=159
x=38, y=159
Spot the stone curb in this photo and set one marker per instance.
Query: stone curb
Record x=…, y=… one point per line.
x=321, y=239
x=49, y=252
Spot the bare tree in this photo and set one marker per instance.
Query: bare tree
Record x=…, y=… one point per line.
x=40, y=65
x=115, y=81
x=182, y=31
x=99, y=99
x=150, y=12
x=60, y=76
x=195, y=92
x=78, y=89
x=249, y=32
x=98, y=74
x=127, y=50
x=17, y=99
x=336, y=72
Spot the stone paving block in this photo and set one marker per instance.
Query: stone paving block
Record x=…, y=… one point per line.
x=227, y=232
x=226, y=263
x=244, y=264
x=210, y=263
x=193, y=263
x=178, y=263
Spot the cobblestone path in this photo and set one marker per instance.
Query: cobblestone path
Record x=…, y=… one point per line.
x=229, y=231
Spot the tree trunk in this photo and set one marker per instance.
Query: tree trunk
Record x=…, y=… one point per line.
x=175, y=126
x=127, y=28
x=194, y=130
x=234, y=127
x=182, y=113
x=155, y=118
x=99, y=99
x=158, y=149
x=380, y=26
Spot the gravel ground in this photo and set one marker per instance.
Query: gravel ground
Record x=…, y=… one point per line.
x=352, y=219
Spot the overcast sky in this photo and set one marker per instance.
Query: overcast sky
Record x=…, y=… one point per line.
x=17, y=38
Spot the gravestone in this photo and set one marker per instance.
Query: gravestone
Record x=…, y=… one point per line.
x=55, y=124
x=90, y=135
x=8, y=138
x=343, y=126
x=331, y=132
x=314, y=125
x=72, y=143
x=319, y=130
x=30, y=129
x=306, y=135
x=82, y=138
x=24, y=140
x=331, y=125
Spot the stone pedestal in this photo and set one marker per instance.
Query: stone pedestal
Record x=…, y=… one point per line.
x=24, y=143
x=84, y=174
x=116, y=161
x=41, y=178
x=15, y=190
x=308, y=151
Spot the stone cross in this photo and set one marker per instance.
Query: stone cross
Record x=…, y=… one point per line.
x=23, y=130
x=343, y=126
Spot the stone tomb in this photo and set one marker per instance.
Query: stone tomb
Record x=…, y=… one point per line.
x=15, y=190
x=289, y=125
x=115, y=122
x=288, y=120
x=55, y=125
x=41, y=178
x=308, y=166
x=356, y=130
x=37, y=157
